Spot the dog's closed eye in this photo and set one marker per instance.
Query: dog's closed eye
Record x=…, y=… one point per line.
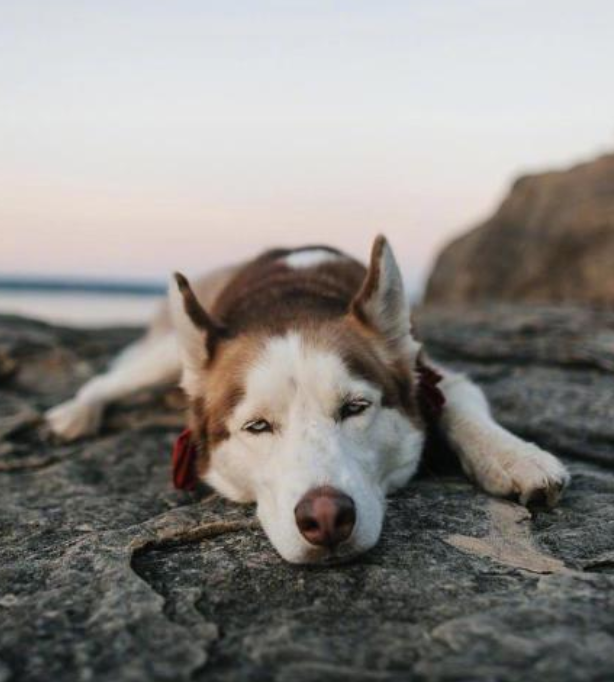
x=257, y=426
x=353, y=407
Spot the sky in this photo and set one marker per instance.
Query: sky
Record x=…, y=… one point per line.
x=137, y=138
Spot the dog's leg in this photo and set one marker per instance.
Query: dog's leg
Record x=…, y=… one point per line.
x=150, y=361
x=497, y=460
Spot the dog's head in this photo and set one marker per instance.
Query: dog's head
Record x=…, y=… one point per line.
x=316, y=425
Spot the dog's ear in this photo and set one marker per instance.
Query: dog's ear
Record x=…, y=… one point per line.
x=197, y=333
x=381, y=304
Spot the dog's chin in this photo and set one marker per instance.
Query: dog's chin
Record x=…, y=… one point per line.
x=323, y=556
x=295, y=549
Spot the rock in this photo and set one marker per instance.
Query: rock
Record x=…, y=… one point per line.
x=107, y=573
x=551, y=240
x=15, y=415
x=547, y=371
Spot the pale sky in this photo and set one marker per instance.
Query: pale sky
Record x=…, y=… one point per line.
x=142, y=137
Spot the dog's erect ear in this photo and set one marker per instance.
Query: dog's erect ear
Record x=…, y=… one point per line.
x=381, y=303
x=197, y=332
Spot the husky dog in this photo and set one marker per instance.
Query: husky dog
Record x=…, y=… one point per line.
x=306, y=396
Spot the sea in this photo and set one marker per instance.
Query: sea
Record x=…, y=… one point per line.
x=82, y=303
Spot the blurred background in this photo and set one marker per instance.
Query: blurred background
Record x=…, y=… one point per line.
x=137, y=138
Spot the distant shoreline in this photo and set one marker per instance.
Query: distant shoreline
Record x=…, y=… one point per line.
x=80, y=286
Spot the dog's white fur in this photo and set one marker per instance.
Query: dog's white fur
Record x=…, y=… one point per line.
x=311, y=258
x=297, y=385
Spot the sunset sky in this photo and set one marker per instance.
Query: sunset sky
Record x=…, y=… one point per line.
x=141, y=137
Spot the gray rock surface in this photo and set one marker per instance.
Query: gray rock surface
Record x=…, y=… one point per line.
x=107, y=573
x=550, y=240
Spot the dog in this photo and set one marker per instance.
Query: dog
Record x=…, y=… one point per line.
x=309, y=395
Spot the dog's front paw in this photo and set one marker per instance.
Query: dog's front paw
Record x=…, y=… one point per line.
x=537, y=476
x=74, y=419
x=515, y=468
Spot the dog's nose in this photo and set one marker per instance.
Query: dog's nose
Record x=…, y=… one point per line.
x=325, y=517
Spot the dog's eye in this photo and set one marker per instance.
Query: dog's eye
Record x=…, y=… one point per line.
x=353, y=407
x=258, y=426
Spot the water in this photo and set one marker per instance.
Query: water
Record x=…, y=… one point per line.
x=80, y=309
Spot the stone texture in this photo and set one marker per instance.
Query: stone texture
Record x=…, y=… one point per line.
x=551, y=240
x=107, y=573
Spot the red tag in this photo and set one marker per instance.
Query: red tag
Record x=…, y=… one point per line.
x=184, y=462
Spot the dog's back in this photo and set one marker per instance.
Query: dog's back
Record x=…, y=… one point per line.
x=278, y=289
x=284, y=287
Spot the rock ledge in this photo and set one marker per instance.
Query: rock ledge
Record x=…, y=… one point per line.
x=106, y=573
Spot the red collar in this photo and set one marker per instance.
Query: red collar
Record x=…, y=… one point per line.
x=185, y=454
x=430, y=396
